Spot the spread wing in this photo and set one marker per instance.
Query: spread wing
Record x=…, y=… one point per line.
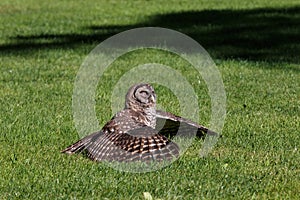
x=141, y=144
x=171, y=125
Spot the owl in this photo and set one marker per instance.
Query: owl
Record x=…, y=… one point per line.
x=138, y=132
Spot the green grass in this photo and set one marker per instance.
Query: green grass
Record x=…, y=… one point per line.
x=255, y=45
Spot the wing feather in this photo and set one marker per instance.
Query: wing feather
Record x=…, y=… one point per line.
x=142, y=144
x=170, y=124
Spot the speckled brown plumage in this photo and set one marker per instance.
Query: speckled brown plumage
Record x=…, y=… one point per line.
x=132, y=134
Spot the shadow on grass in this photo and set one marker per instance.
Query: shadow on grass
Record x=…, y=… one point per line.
x=256, y=34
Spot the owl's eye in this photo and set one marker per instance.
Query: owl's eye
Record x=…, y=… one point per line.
x=144, y=93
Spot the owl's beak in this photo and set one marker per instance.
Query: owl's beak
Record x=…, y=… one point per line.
x=152, y=98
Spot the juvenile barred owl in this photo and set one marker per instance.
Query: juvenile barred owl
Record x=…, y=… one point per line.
x=133, y=133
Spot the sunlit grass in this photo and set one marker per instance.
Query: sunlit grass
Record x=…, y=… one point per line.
x=42, y=46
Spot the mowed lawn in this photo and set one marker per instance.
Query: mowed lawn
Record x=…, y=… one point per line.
x=255, y=45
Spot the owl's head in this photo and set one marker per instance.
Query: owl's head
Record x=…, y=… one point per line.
x=140, y=95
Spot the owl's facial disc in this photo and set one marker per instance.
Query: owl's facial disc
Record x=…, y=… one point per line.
x=140, y=95
x=145, y=94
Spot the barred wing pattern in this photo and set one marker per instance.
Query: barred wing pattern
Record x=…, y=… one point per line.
x=142, y=143
x=138, y=132
x=170, y=124
x=131, y=146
